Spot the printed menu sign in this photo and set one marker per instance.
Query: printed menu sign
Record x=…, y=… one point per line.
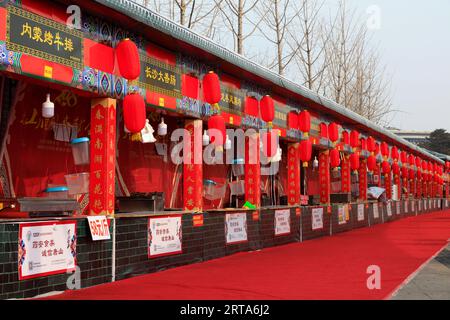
x=99, y=228
x=282, y=222
x=46, y=248
x=235, y=227
x=360, y=212
x=164, y=236
x=44, y=38
x=317, y=218
x=342, y=216
x=376, y=215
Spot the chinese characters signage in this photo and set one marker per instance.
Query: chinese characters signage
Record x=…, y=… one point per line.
x=361, y=212
x=164, y=236
x=37, y=36
x=46, y=248
x=99, y=228
x=293, y=175
x=232, y=100
x=317, y=218
x=159, y=77
x=252, y=171
x=235, y=227
x=282, y=222
x=345, y=173
x=192, y=167
x=324, y=177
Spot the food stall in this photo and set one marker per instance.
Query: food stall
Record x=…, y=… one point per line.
x=131, y=146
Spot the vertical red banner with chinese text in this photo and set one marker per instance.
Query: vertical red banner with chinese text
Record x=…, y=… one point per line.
x=192, y=166
x=293, y=174
x=324, y=177
x=363, y=180
x=345, y=175
x=102, y=157
x=252, y=170
x=388, y=185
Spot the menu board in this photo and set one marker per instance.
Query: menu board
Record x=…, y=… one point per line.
x=164, y=236
x=361, y=212
x=46, y=248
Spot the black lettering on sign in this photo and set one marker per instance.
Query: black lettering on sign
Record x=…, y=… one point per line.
x=44, y=38
x=232, y=100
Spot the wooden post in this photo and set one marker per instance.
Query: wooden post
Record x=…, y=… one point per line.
x=103, y=157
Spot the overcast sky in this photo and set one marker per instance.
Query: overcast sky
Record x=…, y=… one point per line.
x=414, y=41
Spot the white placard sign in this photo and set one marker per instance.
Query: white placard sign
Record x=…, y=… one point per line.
x=361, y=212
x=425, y=205
x=46, y=248
x=342, y=217
x=406, y=206
x=164, y=236
x=99, y=228
x=317, y=218
x=397, y=207
x=413, y=206
x=376, y=214
x=420, y=205
x=235, y=227
x=282, y=222
x=389, y=209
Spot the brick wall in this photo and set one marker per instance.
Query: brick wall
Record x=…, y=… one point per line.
x=267, y=229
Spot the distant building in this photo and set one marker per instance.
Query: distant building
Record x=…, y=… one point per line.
x=416, y=137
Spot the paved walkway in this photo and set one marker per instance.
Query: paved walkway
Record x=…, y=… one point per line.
x=430, y=283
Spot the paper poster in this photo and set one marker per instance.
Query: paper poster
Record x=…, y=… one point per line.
x=235, y=227
x=46, y=248
x=342, y=218
x=361, y=212
x=164, y=236
x=99, y=228
x=282, y=222
x=376, y=214
x=389, y=209
x=397, y=204
x=317, y=218
x=420, y=205
x=406, y=206
x=413, y=206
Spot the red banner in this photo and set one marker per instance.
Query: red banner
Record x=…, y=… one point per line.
x=293, y=174
x=345, y=174
x=388, y=185
x=103, y=156
x=377, y=175
x=252, y=171
x=192, y=168
x=363, y=180
x=324, y=177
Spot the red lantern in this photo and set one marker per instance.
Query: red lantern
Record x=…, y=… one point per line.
x=335, y=159
x=304, y=121
x=412, y=160
x=305, y=151
x=386, y=167
x=128, y=59
x=293, y=120
x=430, y=167
x=217, y=122
x=211, y=88
x=404, y=172
x=333, y=132
x=418, y=162
x=354, y=139
x=267, y=108
x=396, y=168
x=371, y=144
x=394, y=153
x=269, y=141
x=377, y=148
x=384, y=149
x=404, y=157
x=419, y=175
x=363, y=144
x=412, y=174
x=323, y=130
x=134, y=114
x=371, y=163
x=346, y=137
x=424, y=165
x=354, y=161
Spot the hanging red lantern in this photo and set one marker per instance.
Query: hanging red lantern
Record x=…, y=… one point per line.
x=404, y=157
x=212, y=93
x=404, y=172
x=323, y=130
x=386, y=167
x=267, y=109
x=269, y=143
x=412, y=160
x=377, y=149
x=418, y=162
x=430, y=167
x=394, y=153
x=424, y=166
x=333, y=132
x=128, y=59
x=305, y=151
x=354, y=161
x=384, y=149
x=412, y=174
x=354, y=139
x=371, y=163
x=335, y=159
x=371, y=144
x=134, y=114
x=363, y=144
x=419, y=175
x=217, y=122
x=435, y=167
x=396, y=169
x=293, y=120
x=304, y=122
x=346, y=137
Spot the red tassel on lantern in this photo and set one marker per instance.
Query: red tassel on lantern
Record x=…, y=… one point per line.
x=134, y=114
x=217, y=122
x=267, y=109
x=335, y=159
x=293, y=120
x=371, y=163
x=354, y=161
x=354, y=139
x=333, y=132
x=211, y=88
x=128, y=59
x=304, y=122
x=305, y=151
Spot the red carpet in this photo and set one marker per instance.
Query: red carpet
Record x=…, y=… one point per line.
x=326, y=268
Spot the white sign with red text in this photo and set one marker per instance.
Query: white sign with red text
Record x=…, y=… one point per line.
x=317, y=218
x=46, y=248
x=235, y=227
x=164, y=236
x=282, y=222
x=99, y=228
x=361, y=212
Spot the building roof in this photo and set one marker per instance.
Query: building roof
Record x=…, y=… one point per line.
x=226, y=57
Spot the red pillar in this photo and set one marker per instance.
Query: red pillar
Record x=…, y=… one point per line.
x=324, y=177
x=192, y=167
x=346, y=175
x=363, y=180
x=293, y=174
x=252, y=170
x=103, y=156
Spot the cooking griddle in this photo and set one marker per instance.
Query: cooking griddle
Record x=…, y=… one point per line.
x=45, y=207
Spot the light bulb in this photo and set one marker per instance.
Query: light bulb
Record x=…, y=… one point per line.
x=48, y=108
x=205, y=139
x=162, y=128
x=315, y=162
x=227, y=144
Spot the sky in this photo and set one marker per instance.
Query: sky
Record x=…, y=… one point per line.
x=414, y=42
